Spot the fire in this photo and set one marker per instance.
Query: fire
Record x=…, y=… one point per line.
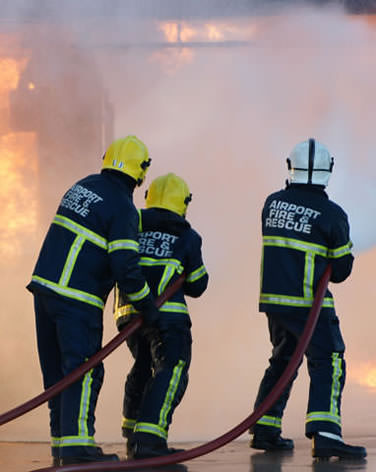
x=214, y=33
x=177, y=32
x=18, y=169
x=183, y=37
x=364, y=374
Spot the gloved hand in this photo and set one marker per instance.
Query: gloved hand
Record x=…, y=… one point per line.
x=122, y=322
x=150, y=315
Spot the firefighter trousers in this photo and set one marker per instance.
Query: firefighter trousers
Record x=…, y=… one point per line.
x=157, y=381
x=326, y=368
x=67, y=335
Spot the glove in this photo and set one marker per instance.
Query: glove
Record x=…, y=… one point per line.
x=150, y=315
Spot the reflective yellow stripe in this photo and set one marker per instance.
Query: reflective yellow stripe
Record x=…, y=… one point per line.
x=171, y=266
x=55, y=442
x=311, y=251
x=196, y=274
x=69, y=292
x=170, y=394
x=174, y=307
x=323, y=416
x=85, y=404
x=121, y=244
x=340, y=251
x=71, y=260
x=151, y=262
x=277, y=299
x=270, y=421
x=150, y=428
x=139, y=221
x=136, y=296
x=167, y=275
x=309, y=270
x=336, y=384
x=68, y=441
x=128, y=423
x=80, y=230
x=331, y=416
x=295, y=244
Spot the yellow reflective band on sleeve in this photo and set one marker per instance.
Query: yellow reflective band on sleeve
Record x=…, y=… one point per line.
x=123, y=244
x=174, y=307
x=136, y=296
x=167, y=307
x=340, y=251
x=270, y=421
x=70, y=292
x=276, y=299
x=124, y=312
x=196, y=274
x=128, y=423
x=80, y=230
x=150, y=428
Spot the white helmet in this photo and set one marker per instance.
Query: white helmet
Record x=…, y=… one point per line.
x=310, y=163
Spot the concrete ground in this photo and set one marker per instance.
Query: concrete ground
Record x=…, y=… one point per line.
x=234, y=457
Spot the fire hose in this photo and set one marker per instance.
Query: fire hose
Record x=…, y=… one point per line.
x=206, y=448
x=90, y=363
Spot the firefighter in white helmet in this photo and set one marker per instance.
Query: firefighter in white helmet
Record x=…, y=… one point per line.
x=158, y=379
x=90, y=245
x=302, y=232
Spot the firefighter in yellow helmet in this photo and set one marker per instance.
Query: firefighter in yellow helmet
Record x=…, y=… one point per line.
x=159, y=377
x=91, y=244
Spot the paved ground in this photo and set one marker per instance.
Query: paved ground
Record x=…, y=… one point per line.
x=234, y=457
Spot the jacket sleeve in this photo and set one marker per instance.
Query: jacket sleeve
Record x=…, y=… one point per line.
x=124, y=256
x=340, y=254
x=197, y=277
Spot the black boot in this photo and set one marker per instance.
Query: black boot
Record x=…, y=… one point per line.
x=148, y=449
x=98, y=456
x=56, y=462
x=271, y=443
x=324, y=448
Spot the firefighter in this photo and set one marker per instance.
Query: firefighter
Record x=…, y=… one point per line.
x=158, y=379
x=303, y=231
x=90, y=245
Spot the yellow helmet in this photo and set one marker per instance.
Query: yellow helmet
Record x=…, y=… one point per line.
x=128, y=155
x=169, y=192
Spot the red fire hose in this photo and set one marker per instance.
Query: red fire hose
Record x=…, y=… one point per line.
x=92, y=362
x=233, y=433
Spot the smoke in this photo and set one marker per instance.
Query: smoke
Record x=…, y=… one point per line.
x=224, y=117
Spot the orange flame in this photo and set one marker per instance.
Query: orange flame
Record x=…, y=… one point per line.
x=18, y=169
x=181, y=33
x=214, y=33
x=364, y=374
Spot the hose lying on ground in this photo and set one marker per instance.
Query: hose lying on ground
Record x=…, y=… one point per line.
x=90, y=363
x=268, y=402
